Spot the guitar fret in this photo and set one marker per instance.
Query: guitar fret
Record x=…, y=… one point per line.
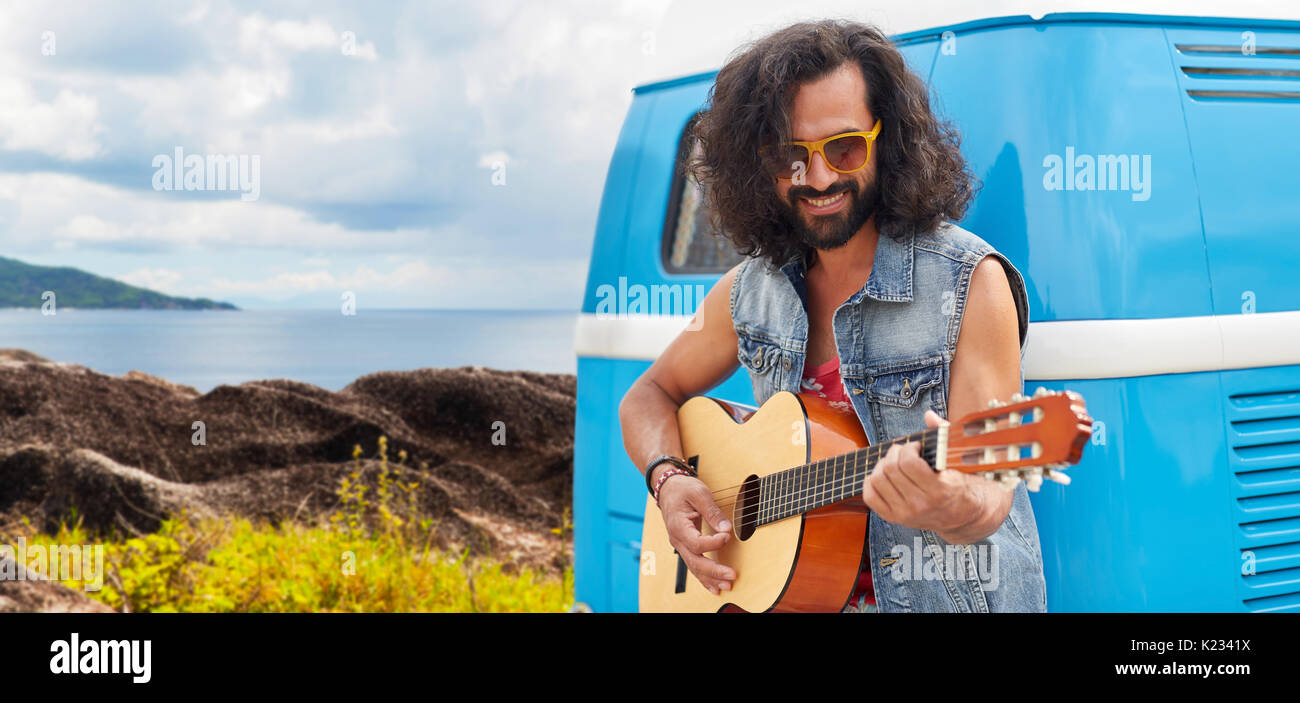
x=823, y=481
x=779, y=497
x=784, y=492
x=792, y=478
x=797, y=482
x=803, y=491
x=771, y=496
x=793, y=493
x=832, y=482
x=828, y=495
x=846, y=481
x=842, y=478
x=820, y=485
x=772, y=491
x=803, y=488
x=793, y=498
x=846, y=472
x=798, y=491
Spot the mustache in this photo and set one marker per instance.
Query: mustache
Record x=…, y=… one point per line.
x=797, y=192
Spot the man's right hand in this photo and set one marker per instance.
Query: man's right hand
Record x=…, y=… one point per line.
x=684, y=500
x=702, y=356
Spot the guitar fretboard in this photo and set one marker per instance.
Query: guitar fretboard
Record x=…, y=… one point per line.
x=810, y=486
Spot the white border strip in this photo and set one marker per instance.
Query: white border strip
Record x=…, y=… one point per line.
x=1066, y=350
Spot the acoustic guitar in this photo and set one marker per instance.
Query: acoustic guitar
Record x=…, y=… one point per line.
x=790, y=475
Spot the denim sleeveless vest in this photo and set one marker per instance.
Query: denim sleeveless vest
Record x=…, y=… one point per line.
x=896, y=338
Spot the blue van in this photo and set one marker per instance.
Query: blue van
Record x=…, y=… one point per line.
x=1143, y=173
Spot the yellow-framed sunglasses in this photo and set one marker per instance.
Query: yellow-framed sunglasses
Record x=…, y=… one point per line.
x=843, y=153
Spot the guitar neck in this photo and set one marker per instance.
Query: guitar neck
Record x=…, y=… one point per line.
x=807, y=487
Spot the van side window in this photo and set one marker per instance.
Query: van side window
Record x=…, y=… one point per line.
x=690, y=243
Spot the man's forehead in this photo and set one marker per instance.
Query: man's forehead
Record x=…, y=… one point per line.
x=833, y=104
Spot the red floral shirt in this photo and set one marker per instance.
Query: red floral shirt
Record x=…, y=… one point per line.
x=824, y=381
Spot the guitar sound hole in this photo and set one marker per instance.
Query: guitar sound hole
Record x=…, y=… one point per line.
x=744, y=516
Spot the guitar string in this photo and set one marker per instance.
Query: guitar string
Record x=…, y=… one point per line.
x=865, y=451
x=927, y=444
x=818, y=489
x=819, y=485
x=925, y=438
x=783, y=500
x=764, y=516
x=779, y=503
x=830, y=462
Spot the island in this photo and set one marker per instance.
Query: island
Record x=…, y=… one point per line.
x=24, y=285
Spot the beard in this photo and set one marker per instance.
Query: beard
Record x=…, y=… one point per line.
x=836, y=229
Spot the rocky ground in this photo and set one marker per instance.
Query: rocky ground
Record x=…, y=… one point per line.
x=121, y=450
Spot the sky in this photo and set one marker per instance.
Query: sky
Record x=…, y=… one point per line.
x=418, y=154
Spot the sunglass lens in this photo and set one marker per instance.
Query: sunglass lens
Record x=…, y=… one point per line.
x=786, y=160
x=847, y=153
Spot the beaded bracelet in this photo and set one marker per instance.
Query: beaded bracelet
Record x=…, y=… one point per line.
x=664, y=477
x=650, y=469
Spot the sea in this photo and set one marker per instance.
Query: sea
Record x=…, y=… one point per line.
x=208, y=348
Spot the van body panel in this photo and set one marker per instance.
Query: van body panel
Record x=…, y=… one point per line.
x=1243, y=123
x=1088, y=253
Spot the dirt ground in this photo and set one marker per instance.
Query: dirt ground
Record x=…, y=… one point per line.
x=493, y=450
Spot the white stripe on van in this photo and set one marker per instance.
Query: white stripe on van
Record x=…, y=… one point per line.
x=1064, y=350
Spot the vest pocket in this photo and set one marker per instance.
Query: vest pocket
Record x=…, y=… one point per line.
x=763, y=360
x=901, y=387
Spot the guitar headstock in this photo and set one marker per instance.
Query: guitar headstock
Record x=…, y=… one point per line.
x=1025, y=439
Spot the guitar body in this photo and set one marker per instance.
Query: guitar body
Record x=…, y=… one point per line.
x=803, y=563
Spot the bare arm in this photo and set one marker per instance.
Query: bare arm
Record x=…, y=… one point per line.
x=697, y=360
x=986, y=366
x=961, y=508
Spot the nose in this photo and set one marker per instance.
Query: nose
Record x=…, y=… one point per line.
x=820, y=175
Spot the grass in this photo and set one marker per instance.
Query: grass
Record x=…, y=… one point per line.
x=373, y=554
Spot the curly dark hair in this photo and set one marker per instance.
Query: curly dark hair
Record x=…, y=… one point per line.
x=921, y=176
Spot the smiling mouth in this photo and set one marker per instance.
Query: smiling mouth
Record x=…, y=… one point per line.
x=827, y=204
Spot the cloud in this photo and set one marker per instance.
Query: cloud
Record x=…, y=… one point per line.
x=510, y=284
x=65, y=127
x=72, y=212
x=378, y=151
x=491, y=159
x=161, y=280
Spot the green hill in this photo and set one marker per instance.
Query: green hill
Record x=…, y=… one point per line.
x=22, y=285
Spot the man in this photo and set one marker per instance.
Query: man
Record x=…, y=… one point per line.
x=825, y=166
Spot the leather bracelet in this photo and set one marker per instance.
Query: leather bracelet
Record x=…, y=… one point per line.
x=667, y=475
x=650, y=468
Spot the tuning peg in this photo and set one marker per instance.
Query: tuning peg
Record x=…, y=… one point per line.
x=1019, y=398
x=1057, y=476
x=1009, y=479
x=995, y=403
x=1041, y=392
x=1034, y=479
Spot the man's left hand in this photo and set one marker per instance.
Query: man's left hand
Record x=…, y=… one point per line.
x=905, y=490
